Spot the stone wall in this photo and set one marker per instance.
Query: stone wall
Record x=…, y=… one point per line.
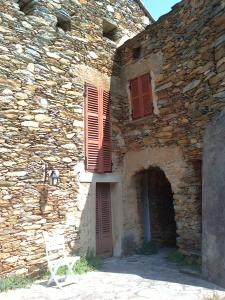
x=184, y=53
x=213, y=201
x=48, y=50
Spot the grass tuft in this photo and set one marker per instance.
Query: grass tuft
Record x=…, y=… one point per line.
x=86, y=264
x=14, y=282
x=214, y=297
x=185, y=260
x=147, y=248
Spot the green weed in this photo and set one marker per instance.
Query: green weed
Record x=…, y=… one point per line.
x=185, y=260
x=14, y=282
x=215, y=297
x=86, y=264
x=147, y=248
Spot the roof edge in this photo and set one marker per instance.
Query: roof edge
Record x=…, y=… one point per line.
x=140, y=2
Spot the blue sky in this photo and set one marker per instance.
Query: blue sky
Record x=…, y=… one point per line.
x=158, y=8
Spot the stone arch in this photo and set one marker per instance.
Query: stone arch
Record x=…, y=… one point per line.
x=170, y=161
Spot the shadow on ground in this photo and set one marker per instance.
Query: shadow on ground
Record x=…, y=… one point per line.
x=156, y=267
x=131, y=278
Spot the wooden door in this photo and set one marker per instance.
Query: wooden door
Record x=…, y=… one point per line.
x=104, y=243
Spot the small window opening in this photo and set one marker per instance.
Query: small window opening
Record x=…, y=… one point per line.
x=66, y=26
x=136, y=53
x=63, y=20
x=26, y=6
x=110, y=31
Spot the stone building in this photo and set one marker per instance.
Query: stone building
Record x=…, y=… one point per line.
x=119, y=113
x=49, y=50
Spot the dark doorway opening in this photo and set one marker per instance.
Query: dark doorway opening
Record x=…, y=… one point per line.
x=157, y=212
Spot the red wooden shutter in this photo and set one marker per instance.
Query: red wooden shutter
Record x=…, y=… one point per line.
x=92, y=133
x=104, y=243
x=135, y=98
x=97, y=130
x=146, y=89
x=141, y=96
x=106, y=138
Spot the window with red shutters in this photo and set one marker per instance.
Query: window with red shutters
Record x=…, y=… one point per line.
x=98, y=153
x=141, y=96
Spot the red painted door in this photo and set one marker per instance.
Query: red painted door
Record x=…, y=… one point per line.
x=104, y=243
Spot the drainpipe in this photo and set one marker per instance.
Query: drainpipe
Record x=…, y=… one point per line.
x=145, y=197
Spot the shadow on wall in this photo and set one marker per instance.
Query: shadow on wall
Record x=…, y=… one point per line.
x=97, y=219
x=100, y=208
x=70, y=205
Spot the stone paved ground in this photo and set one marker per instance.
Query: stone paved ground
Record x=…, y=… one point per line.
x=133, y=278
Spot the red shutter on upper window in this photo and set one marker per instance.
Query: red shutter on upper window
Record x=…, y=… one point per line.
x=106, y=131
x=97, y=130
x=135, y=98
x=146, y=89
x=141, y=96
x=92, y=134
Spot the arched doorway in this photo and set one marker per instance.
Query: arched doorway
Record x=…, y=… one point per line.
x=156, y=207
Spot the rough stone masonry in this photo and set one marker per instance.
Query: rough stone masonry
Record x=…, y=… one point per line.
x=49, y=49
x=184, y=54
